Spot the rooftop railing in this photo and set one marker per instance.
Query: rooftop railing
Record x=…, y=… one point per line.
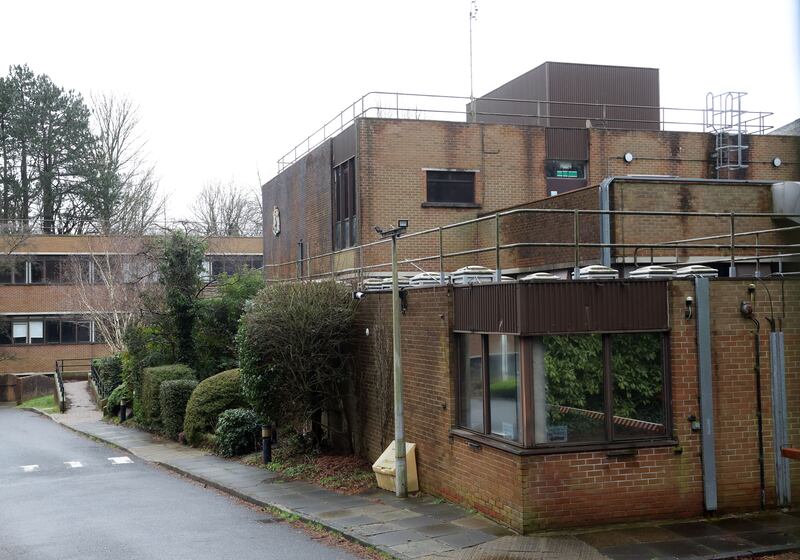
x=397, y=105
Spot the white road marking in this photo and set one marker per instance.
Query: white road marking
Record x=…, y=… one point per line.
x=29, y=468
x=74, y=464
x=120, y=460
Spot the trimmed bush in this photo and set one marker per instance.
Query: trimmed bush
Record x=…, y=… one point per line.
x=152, y=378
x=211, y=398
x=110, y=371
x=115, y=399
x=236, y=432
x=173, y=396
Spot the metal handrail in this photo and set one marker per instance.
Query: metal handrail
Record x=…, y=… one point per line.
x=62, y=395
x=380, y=102
x=98, y=381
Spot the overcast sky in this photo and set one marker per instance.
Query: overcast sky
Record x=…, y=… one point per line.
x=226, y=88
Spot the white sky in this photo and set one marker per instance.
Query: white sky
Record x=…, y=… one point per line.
x=226, y=88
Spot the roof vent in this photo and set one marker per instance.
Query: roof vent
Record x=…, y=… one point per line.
x=539, y=276
x=372, y=285
x=428, y=279
x=598, y=272
x=786, y=199
x=473, y=275
x=696, y=271
x=653, y=272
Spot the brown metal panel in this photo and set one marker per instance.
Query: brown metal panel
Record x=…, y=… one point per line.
x=562, y=307
x=488, y=308
x=530, y=86
x=593, y=306
x=598, y=84
x=567, y=143
x=343, y=146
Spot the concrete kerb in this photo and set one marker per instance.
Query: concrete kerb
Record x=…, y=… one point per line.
x=230, y=491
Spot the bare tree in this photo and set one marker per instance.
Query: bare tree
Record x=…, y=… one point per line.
x=109, y=283
x=222, y=210
x=123, y=191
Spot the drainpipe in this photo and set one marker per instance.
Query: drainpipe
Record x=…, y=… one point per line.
x=707, y=444
x=605, y=221
x=747, y=310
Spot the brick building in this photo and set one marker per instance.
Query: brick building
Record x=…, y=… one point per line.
x=51, y=286
x=564, y=403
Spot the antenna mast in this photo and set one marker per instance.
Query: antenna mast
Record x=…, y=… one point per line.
x=473, y=14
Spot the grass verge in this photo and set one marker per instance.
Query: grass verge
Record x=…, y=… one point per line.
x=45, y=404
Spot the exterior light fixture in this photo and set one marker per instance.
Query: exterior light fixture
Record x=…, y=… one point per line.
x=776, y=162
x=628, y=157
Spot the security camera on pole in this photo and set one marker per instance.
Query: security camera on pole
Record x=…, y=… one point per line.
x=401, y=478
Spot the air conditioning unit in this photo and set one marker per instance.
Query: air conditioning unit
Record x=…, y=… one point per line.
x=472, y=275
x=597, y=272
x=401, y=282
x=428, y=279
x=539, y=276
x=696, y=271
x=373, y=285
x=653, y=272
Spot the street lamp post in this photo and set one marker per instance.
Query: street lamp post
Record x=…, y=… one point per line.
x=401, y=476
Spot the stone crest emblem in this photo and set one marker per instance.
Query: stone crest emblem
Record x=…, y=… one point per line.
x=276, y=221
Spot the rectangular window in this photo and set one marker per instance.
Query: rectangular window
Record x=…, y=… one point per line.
x=560, y=169
x=52, y=331
x=20, y=332
x=504, y=386
x=20, y=275
x=450, y=187
x=53, y=270
x=6, y=270
x=471, y=382
x=36, y=332
x=37, y=270
x=5, y=332
x=84, y=332
x=343, y=204
x=68, y=332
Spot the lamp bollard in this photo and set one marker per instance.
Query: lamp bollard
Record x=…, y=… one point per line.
x=123, y=411
x=266, y=443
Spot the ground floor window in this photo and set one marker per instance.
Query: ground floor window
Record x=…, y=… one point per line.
x=583, y=389
x=47, y=330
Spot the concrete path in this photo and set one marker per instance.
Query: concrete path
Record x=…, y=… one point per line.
x=423, y=527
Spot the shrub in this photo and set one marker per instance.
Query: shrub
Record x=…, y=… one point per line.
x=110, y=371
x=505, y=389
x=152, y=378
x=173, y=396
x=211, y=398
x=236, y=431
x=115, y=399
x=146, y=347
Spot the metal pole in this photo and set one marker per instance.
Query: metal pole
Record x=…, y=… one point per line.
x=576, y=237
x=401, y=483
x=732, y=271
x=441, y=257
x=497, y=272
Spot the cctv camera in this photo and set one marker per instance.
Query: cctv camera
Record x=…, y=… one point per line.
x=358, y=295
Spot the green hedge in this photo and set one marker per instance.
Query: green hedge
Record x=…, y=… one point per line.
x=152, y=378
x=236, y=432
x=115, y=399
x=211, y=398
x=110, y=371
x=173, y=396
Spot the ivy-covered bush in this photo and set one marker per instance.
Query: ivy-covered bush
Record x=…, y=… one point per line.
x=152, y=378
x=173, y=396
x=237, y=431
x=114, y=400
x=211, y=398
x=110, y=371
x=146, y=347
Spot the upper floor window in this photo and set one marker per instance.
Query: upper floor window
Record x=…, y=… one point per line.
x=450, y=187
x=344, y=205
x=562, y=169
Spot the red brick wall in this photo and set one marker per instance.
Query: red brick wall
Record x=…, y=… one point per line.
x=41, y=358
x=589, y=488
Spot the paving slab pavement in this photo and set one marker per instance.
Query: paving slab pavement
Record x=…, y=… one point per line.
x=427, y=528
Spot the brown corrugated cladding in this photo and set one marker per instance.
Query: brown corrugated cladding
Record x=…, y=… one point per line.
x=567, y=143
x=615, y=85
x=343, y=146
x=537, y=308
x=486, y=308
x=531, y=85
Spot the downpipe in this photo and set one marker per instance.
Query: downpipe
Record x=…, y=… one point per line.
x=748, y=311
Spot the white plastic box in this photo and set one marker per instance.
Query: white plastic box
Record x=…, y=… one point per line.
x=385, y=470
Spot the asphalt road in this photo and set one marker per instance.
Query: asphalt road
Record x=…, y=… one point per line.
x=61, y=497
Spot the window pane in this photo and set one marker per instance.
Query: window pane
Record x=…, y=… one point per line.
x=5, y=332
x=20, y=332
x=471, y=382
x=37, y=332
x=84, y=332
x=53, y=270
x=37, y=271
x=19, y=272
x=573, y=382
x=52, y=334
x=566, y=169
x=451, y=186
x=68, y=332
x=6, y=270
x=216, y=267
x=504, y=387
x=636, y=362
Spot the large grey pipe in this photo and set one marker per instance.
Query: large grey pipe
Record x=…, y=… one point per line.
x=707, y=444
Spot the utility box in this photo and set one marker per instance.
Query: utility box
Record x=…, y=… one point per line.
x=385, y=470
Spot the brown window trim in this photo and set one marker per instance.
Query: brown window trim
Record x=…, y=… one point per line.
x=451, y=205
x=516, y=449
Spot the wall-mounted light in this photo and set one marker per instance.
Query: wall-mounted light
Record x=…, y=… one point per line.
x=776, y=162
x=628, y=157
x=689, y=308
